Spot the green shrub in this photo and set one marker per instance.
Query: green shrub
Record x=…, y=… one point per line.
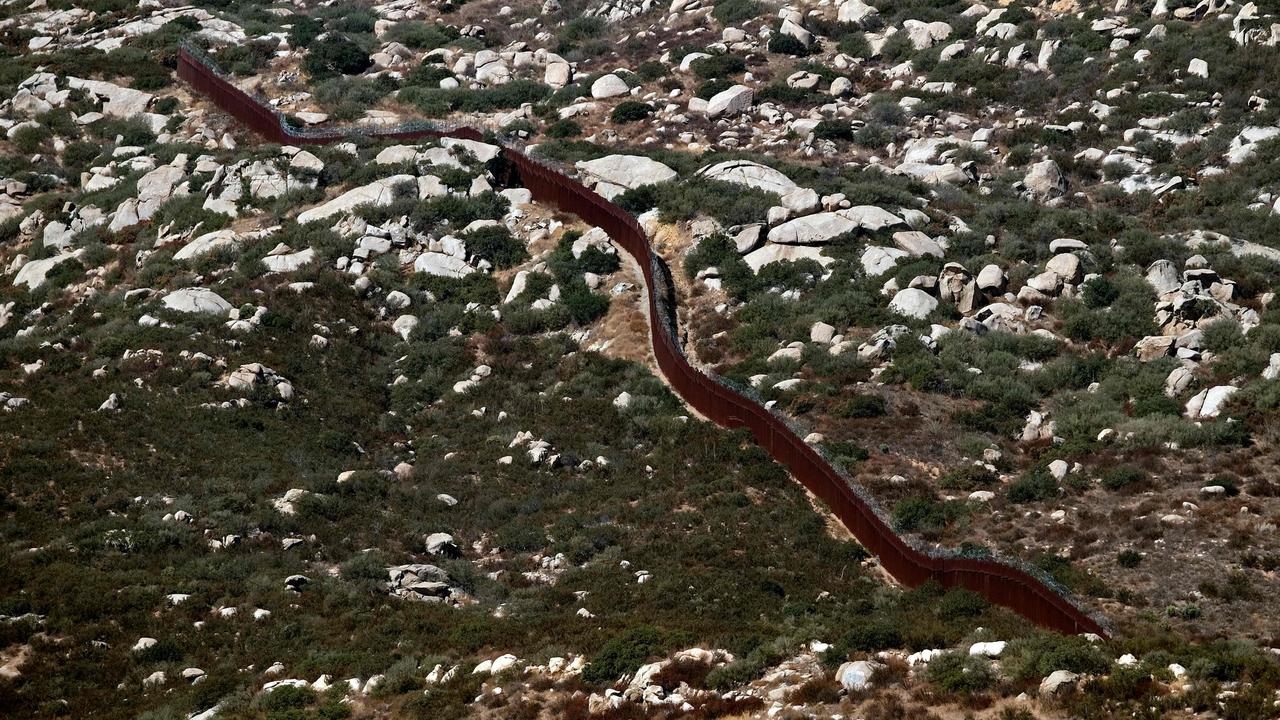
x=583, y=305
x=968, y=477
x=579, y=29
x=286, y=697
x=959, y=603
x=1033, y=658
x=711, y=88
x=623, y=654
x=854, y=44
x=729, y=12
x=1116, y=170
x=350, y=18
x=79, y=156
x=1223, y=335
x=436, y=102
x=29, y=138
x=497, y=245
x=187, y=211
x=630, y=111
x=651, y=70
x=1099, y=293
x=167, y=105
x=1128, y=316
x=926, y=515
x=423, y=36
x=164, y=650
x=456, y=211
x=428, y=74
x=1033, y=486
x=683, y=200
x=960, y=672
x=787, y=45
x=717, y=66
x=303, y=31
x=1122, y=476
x=863, y=406
x=247, y=58
x=132, y=131
x=349, y=97
x=780, y=92
x=833, y=130
x=865, y=635
x=335, y=55
x=520, y=536
x=1129, y=558
x=563, y=129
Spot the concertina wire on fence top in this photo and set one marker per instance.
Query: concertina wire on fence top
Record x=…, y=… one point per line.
x=1024, y=589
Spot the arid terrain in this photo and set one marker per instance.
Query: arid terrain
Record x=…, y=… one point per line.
x=360, y=429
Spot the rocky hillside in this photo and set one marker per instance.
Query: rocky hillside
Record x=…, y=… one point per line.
x=357, y=430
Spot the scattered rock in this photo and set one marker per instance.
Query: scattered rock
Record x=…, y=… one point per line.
x=1058, y=683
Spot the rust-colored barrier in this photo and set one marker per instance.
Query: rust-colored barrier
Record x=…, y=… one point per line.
x=1034, y=596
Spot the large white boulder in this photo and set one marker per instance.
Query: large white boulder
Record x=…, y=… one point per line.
x=57, y=235
x=156, y=187
x=917, y=243
x=117, y=101
x=126, y=215
x=396, y=154
x=1243, y=145
x=1059, y=681
x=924, y=34
x=434, y=263
x=1045, y=179
x=991, y=278
x=404, y=325
x=378, y=192
x=855, y=11
x=1208, y=402
x=491, y=69
x=877, y=260
x=732, y=101
x=772, y=253
x=945, y=174
x=305, y=160
x=816, y=229
x=505, y=662
x=821, y=332
x=823, y=227
x=558, y=72
x=288, y=261
x=1065, y=266
x=856, y=675
x=913, y=303
x=207, y=243
x=1272, y=370
x=197, y=300
x=482, y=151
x=34, y=272
x=607, y=86
x=929, y=150
x=614, y=174
x=745, y=172
x=872, y=218
x=1163, y=276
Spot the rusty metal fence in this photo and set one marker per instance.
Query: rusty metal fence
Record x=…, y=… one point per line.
x=1024, y=589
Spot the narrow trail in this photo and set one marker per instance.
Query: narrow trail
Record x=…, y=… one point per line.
x=1025, y=590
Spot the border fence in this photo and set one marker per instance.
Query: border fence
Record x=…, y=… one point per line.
x=1024, y=589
